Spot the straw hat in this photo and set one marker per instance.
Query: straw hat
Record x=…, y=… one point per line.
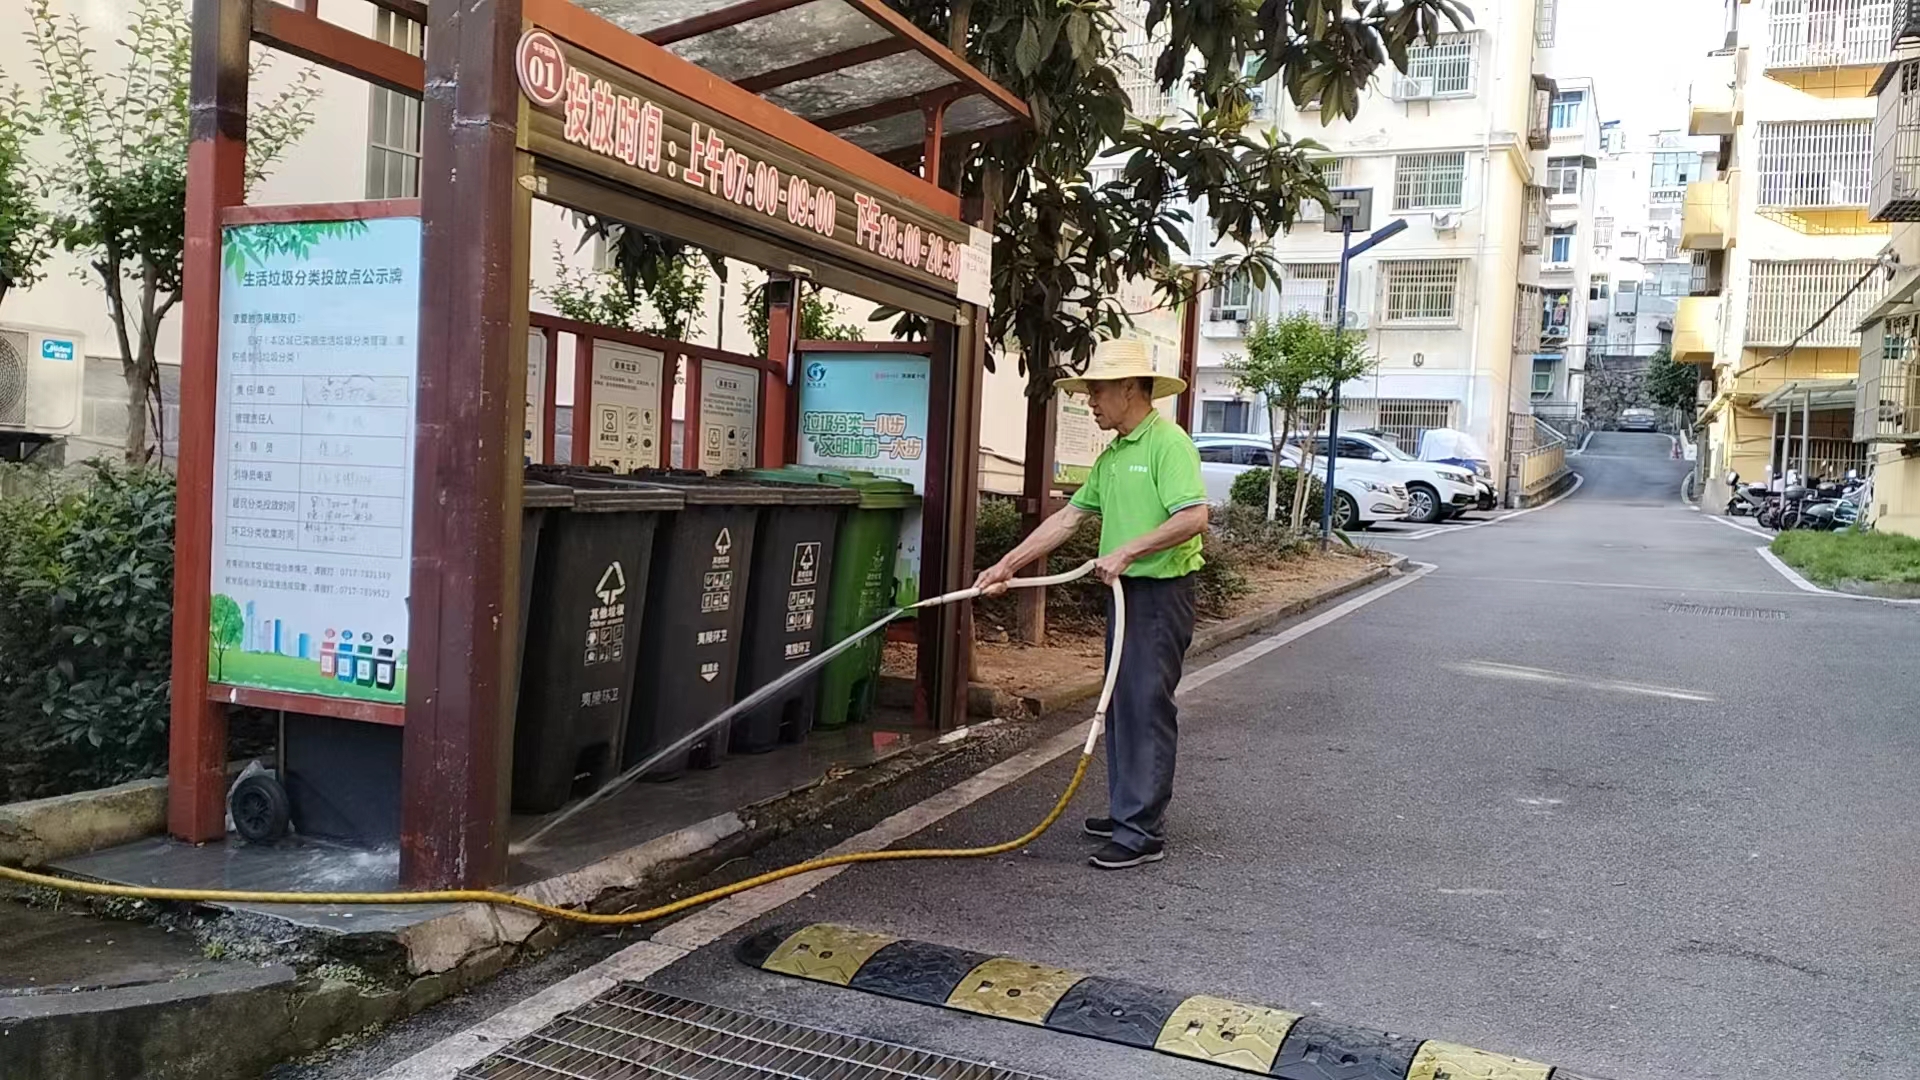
x=1121, y=358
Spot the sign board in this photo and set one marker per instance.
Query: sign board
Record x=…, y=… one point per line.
x=868, y=411
x=590, y=114
x=729, y=416
x=313, y=457
x=1077, y=440
x=536, y=392
x=976, y=269
x=625, y=424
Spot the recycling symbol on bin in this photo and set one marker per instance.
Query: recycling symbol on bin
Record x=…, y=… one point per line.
x=613, y=584
x=724, y=542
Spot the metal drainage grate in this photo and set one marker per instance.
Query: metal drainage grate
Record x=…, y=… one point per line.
x=631, y=1033
x=1725, y=612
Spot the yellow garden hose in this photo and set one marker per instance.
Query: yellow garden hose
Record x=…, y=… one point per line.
x=629, y=918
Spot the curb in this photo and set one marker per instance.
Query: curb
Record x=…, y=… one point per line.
x=1231, y=1034
x=1209, y=638
x=162, y=1030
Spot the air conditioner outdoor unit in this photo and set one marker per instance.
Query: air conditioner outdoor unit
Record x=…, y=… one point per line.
x=1446, y=220
x=1413, y=89
x=1356, y=320
x=41, y=373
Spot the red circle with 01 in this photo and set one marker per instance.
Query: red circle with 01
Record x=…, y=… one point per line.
x=542, y=67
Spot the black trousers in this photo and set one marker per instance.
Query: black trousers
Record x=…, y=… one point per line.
x=1142, y=721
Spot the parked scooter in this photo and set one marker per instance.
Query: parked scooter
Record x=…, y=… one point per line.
x=1822, y=510
x=1745, y=500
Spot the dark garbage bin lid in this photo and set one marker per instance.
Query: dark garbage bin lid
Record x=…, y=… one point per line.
x=599, y=491
x=538, y=496
x=699, y=489
x=792, y=492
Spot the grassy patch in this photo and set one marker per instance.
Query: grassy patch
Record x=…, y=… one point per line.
x=1833, y=557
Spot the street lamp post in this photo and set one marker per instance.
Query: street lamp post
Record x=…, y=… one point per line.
x=1353, y=211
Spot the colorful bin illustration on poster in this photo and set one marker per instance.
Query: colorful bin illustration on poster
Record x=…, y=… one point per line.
x=869, y=411
x=313, y=457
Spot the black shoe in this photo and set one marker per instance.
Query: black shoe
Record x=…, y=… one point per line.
x=1101, y=827
x=1115, y=856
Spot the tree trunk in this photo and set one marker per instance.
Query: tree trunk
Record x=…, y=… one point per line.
x=1301, y=484
x=1279, y=445
x=134, y=446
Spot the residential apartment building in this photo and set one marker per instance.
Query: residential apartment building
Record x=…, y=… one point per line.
x=1462, y=146
x=1887, y=409
x=1642, y=270
x=1789, y=256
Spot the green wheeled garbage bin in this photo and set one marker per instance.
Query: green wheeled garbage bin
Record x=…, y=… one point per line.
x=696, y=612
x=786, y=605
x=585, y=608
x=862, y=588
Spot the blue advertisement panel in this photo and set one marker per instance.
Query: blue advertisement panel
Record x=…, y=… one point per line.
x=868, y=411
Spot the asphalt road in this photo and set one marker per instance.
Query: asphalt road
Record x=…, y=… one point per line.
x=1602, y=790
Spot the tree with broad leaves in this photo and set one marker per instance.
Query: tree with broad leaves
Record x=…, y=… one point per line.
x=1282, y=361
x=122, y=207
x=1062, y=244
x=23, y=224
x=1671, y=385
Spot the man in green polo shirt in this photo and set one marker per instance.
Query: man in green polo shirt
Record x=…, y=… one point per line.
x=1153, y=510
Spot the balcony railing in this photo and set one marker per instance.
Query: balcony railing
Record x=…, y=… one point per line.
x=1716, y=98
x=1829, y=33
x=1706, y=217
x=1896, y=147
x=1696, y=328
x=1534, y=225
x=1526, y=320
x=1887, y=408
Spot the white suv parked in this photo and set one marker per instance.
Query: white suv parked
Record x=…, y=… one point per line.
x=1359, y=500
x=1435, y=492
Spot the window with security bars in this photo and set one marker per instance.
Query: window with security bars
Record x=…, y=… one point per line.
x=1232, y=299
x=1429, y=181
x=1563, y=176
x=1421, y=290
x=1526, y=319
x=1333, y=171
x=1448, y=62
x=1602, y=232
x=1545, y=14
x=1814, y=163
x=1829, y=33
x=1785, y=298
x=393, y=119
x=1896, y=145
x=1309, y=289
x=1887, y=407
x=1534, y=225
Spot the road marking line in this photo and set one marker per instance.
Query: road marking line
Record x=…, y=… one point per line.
x=1441, y=529
x=1804, y=585
x=1532, y=674
x=1614, y=585
x=444, y=1059
x=1732, y=524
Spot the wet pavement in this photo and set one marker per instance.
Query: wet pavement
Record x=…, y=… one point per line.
x=1601, y=790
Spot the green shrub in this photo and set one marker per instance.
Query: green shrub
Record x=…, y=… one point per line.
x=86, y=602
x=1250, y=489
x=1240, y=538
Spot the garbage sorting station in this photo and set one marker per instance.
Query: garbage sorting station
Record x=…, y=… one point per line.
x=378, y=544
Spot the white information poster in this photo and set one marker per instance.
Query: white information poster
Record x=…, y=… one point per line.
x=313, y=457
x=976, y=269
x=729, y=416
x=626, y=406
x=1077, y=440
x=536, y=390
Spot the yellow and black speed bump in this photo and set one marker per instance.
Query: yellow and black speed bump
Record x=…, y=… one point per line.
x=1249, y=1038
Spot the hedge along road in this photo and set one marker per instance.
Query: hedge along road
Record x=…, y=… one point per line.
x=1559, y=798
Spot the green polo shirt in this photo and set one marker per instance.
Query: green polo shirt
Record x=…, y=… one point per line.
x=1139, y=481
